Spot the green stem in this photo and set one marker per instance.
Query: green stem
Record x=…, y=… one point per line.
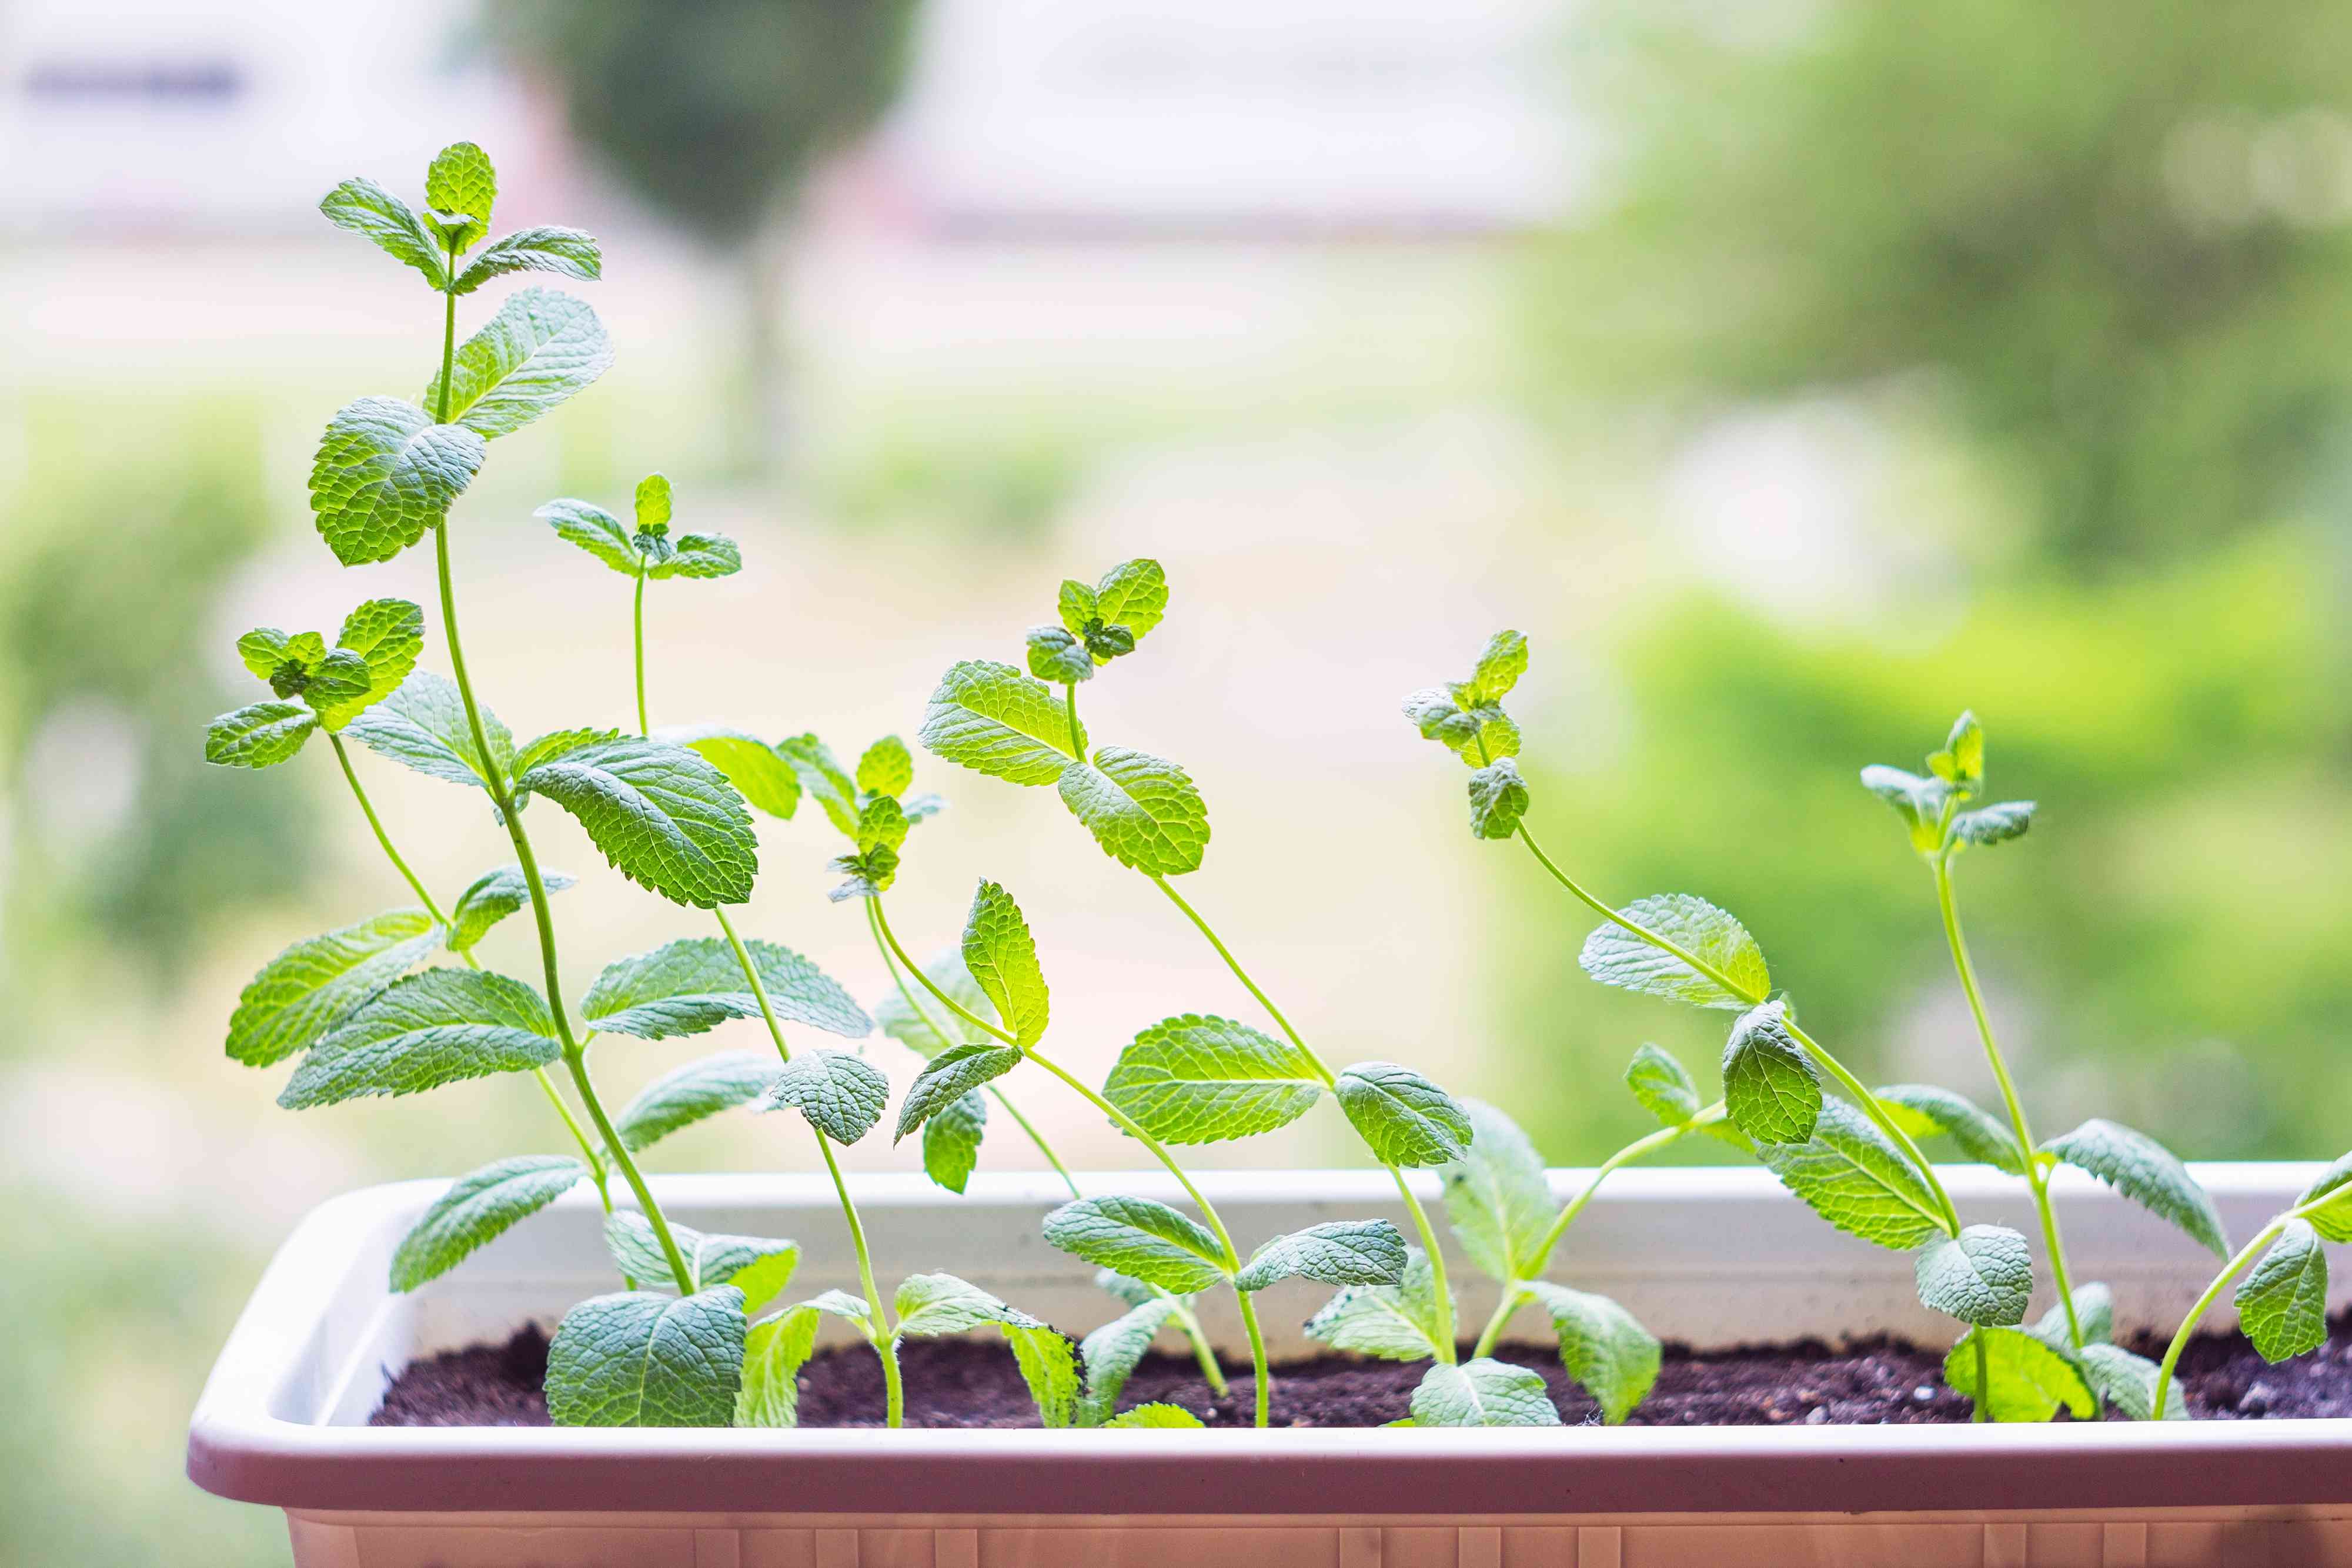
x=1444, y=1291
x=2230, y=1270
x=1982, y=1410
x=639, y=629
x=1078, y=746
x=885, y=1344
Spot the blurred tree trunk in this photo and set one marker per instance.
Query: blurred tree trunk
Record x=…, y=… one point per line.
x=758, y=423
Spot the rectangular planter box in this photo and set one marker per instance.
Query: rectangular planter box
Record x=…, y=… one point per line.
x=1711, y=1257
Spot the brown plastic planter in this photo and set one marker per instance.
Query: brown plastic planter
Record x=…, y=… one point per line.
x=1712, y=1257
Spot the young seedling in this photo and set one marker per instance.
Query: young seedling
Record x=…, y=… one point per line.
x=1194, y=1078
x=1857, y=1166
x=2282, y=1306
x=2134, y=1164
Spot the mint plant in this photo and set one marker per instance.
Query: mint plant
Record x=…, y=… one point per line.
x=2134, y=1164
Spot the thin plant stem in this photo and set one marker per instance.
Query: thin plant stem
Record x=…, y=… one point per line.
x=2230, y=1270
x=638, y=627
x=1078, y=746
x=886, y=1346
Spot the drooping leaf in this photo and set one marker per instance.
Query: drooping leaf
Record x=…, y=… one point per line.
x=2148, y=1173
x=1396, y=1322
x=461, y=183
x=314, y=984
x=1142, y=810
x=773, y=1354
x=494, y=895
x=1199, y=1079
x=437, y=1028
x=385, y=473
x=1852, y=1176
x=1919, y=802
x=1142, y=1239
x=952, y=1139
x=696, y=983
x=1002, y=959
x=1338, y=1252
x=759, y=774
x=822, y=776
x=596, y=531
x=1401, y=1116
x=2327, y=1202
x=1662, y=1085
x=540, y=350
x=385, y=635
x=1497, y=1196
x=365, y=207
x=1498, y=798
x=947, y=1078
x=841, y=1095
x=2026, y=1380
x=1983, y=1275
x=995, y=720
x=1112, y=1351
x=1612, y=1356
x=639, y=1359
x=1924, y=1111
x=2127, y=1381
x=2282, y=1299
x=542, y=247
x=1769, y=1088
x=914, y=1018
x=423, y=726
x=478, y=1208
x=687, y=1094
x=662, y=816
x=1483, y=1393
x=887, y=769
x=1994, y=824
x=1615, y=956
x=1048, y=1364
x=259, y=735
x=758, y=1266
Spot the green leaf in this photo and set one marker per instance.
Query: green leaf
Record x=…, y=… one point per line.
x=1483, y=1393
x=2094, y=1309
x=1159, y=1413
x=1199, y=1079
x=437, y=1027
x=1338, y=1252
x=1002, y=959
x=423, y=726
x=1480, y=735
x=1615, y=956
x=1918, y=801
x=773, y=1354
x=1134, y=595
x=1662, y=1085
x=755, y=1265
x=542, y=247
x=2145, y=1171
x=822, y=776
x=1396, y=1323
x=951, y=1140
x=881, y=823
x=2283, y=1302
x=1049, y=1366
x=260, y=734
x=931, y=1304
x=1924, y=1111
x=1850, y=1174
x=887, y=769
x=995, y=719
x=1610, y=1356
x=2127, y=1381
x=478, y=1208
x=1497, y=800
x=687, y=1094
x=1142, y=1239
x=385, y=635
x=314, y=984
x=759, y=773
x=1497, y=1196
x=366, y=208
x=1405, y=1118
x=2026, y=1379
x=841, y=1095
x=385, y=473
x=637, y=1359
x=1769, y=1086
x=1112, y=1351
x=947, y=1078
x=844, y=1305
x=2327, y=1202
x=494, y=895
x=541, y=350
x=914, y=1018
x=1994, y=824
x=1078, y=605
x=1961, y=762
x=593, y=529
x=698, y=556
x=1057, y=656
x=1500, y=666
x=1983, y=1275
x=662, y=816
x=461, y=181
x=695, y=983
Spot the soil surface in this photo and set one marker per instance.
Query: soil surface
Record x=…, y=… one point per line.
x=974, y=1383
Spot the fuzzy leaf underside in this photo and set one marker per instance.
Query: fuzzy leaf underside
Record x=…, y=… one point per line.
x=1142, y=1239
x=258, y=735
x=1615, y=956
x=1850, y=1174
x=638, y=1359
x=1924, y=1111
x=1497, y=1196
x=437, y=1027
x=366, y=208
x=1197, y=1079
x=1984, y=1275
x=760, y=1267
x=2283, y=1300
x=1340, y=1252
x=2148, y=1173
x=478, y=1208
x=423, y=726
x=543, y=247
x=2127, y=1381
x=1613, y=1357
x=1662, y=1085
x=1111, y=1352
x=1498, y=798
x=1402, y=1117
x=995, y=720
x=1396, y=1322
x=687, y=1094
x=1142, y=810
x=841, y=1095
x=947, y=1078
x=540, y=350
x=593, y=529
x=696, y=984
x=1483, y=1393
x=313, y=985
x=663, y=817
x=491, y=897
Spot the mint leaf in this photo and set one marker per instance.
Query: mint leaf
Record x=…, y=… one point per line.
x=557, y=743
x=596, y=531
x=1500, y=666
x=1396, y=1323
x=1483, y=1393
x=1404, y=1117
x=822, y=776
x=841, y=1095
x=849, y=1308
x=543, y=247
x=881, y=823
x=931, y=1304
x=2127, y=1381
x=2327, y=1202
x=461, y=181
x=1200, y=1079
x=1132, y=595
x=1142, y=1239
x=917, y=1024
x=1961, y=762
x=773, y=1354
x=2145, y=1171
x=1049, y=1366
x=695, y=983
x=1769, y=1090
x=759, y=773
x=662, y=816
x=494, y=895
x=386, y=635
x=1480, y=735
x=385, y=473
x=687, y=1094
x=478, y=1208
x=1002, y=959
x=540, y=350
x=260, y=734
x=637, y=1359
x=1983, y=1275
x=1159, y=1413
x=1112, y=1351
x=1615, y=956
x=1057, y=656
x=2094, y=1309
x=1994, y=824
x=887, y=769
x=951, y=1140
x=423, y=726
x=1611, y=1356
x=1142, y=810
x=995, y=720
x=1924, y=1111
x=2283, y=1300
x=366, y=208
x=437, y=1027
x=698, y=556
x=755, y=1265
x=1078, y=605
x=1497, y=1196
x=1850, y=1174
x=947, y=1078
x=1338, y=1252
x=2027, y=1381
x=1918, y=801
x=1497, y=800
x=314, y=984
x=1662, y=1085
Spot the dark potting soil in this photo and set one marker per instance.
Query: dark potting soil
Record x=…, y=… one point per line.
x=974, y=1383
